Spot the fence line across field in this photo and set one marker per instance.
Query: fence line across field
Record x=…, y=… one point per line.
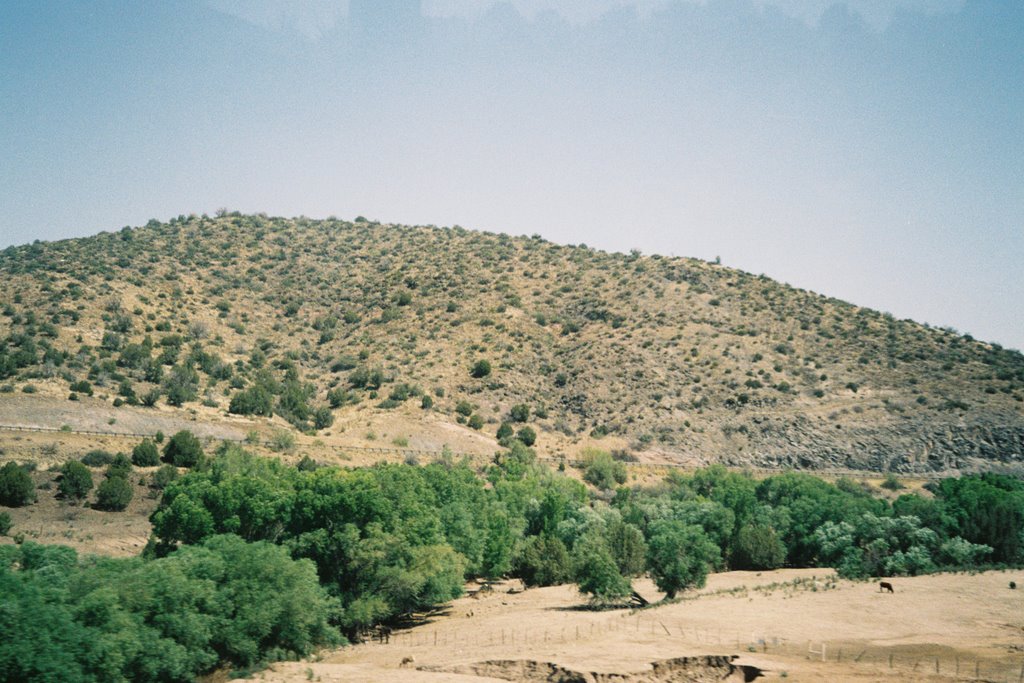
x=716, y=641
x=413, y=452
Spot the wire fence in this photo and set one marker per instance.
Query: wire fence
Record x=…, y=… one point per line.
x=912, y=661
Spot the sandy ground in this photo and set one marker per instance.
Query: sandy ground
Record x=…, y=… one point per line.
x=966, y=627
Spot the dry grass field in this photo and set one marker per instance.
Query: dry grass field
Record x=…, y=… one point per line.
x=797, y=624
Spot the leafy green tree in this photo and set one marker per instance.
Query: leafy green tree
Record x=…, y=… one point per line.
x=679, y=556
x=16, y=487
x=758, y=547
x=75, y=481
x=595, y=571
x=626, y=543
x=145, y=454
x=543, y=561
x=183, y=450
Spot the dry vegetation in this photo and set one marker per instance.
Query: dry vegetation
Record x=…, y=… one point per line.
x=671, y=358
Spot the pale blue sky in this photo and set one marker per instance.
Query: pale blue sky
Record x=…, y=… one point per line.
x=872, y=150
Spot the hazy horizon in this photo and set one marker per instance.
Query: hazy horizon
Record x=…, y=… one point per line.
x=871, y=151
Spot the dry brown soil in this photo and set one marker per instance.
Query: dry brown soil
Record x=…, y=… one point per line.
x=967, y=627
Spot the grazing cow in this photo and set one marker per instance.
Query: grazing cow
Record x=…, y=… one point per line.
x=384, y=634
x=885, y=586
x=408, y=661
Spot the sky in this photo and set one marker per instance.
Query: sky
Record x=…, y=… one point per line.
x=871, y=150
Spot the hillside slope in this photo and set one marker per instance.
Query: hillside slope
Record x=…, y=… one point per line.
x=323, y=320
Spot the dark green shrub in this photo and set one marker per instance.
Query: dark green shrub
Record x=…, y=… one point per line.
x=504, y=433
x=5, y=523
x=480, y=369
x=891, y=483
x=75, y=481
x=164, y=476
x=145, y=454
x=464, y=408
x=527, y=435
x=520, y=412
x=16, y=487
x=183, y=450
x=121, y=466
x=113, y=494
x=97, y=458
x=426, y=402
x=255, y=400
x=476, y=422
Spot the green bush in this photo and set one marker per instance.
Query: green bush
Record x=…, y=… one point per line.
x=16, y=487
x=183, y=450
x=256, y=400
x=527, y=435
x=480, y=369
x=97, y=458
x=114, y=493
x=520, y=412
x=120, y=467
x=5, y=523
x=164, y=476
x=602, y=470
x=75, y=481
x=145, y=454
x=475, y=421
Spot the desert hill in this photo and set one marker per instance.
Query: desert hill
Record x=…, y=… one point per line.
x=326, y=322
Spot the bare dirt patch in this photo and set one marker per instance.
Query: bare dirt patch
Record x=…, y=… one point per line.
x=801, y=624
x=54, y=521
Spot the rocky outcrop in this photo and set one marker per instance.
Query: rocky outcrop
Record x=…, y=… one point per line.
x=903, y=447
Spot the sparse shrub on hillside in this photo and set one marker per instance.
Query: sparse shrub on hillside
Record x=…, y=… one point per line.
x=480, y=369
x=183, y=450
x=145, y=454
x=114, y=493
x=164, y=476
x=120, y=466
x=476, y=422
x=256, y=400
x=892, y=483
x=97, y=458
x=5, y=523
x=75, y=481
x=527, y=435
x=322, y=418
x=464, y=408
x=282, y=440
x=16, y=487
x=519, y=412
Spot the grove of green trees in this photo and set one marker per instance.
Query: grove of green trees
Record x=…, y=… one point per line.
x=252, y=560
